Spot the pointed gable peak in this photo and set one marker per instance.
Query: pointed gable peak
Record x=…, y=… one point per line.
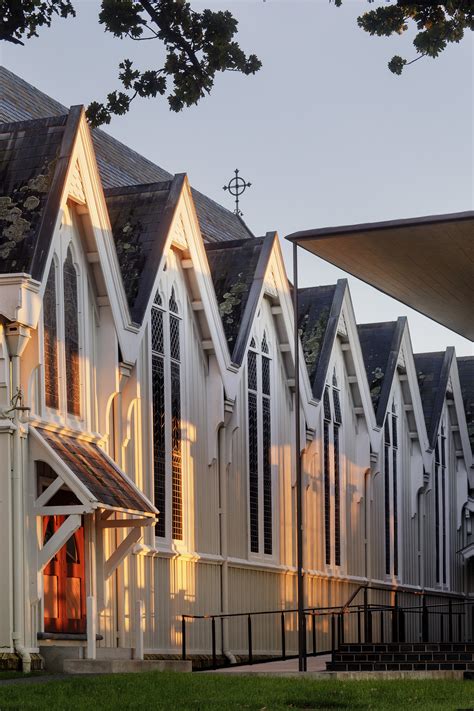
x=141, y=217
x=238, y=271
x=433, y=371
x=380, y=344
x=34, y=162
x=319, y=319
x=466, y=378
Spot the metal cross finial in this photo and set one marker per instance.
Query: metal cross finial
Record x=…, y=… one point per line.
x=237, y=186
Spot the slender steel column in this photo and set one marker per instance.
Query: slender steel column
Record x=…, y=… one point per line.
x=299, y=488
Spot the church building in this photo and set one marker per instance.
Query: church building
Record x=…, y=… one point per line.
x=147, y=425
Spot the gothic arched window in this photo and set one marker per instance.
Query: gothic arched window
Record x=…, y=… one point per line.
x=390, y=472
x=260, y=442
x=167, y=439
x=332, y=417
x=71, y=336
x=175, y=382
x=50, y=325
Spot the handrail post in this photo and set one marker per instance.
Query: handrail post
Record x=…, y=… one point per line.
x=450, y=620
x=366, y=616
x=249, y=629
x=305, y=651
x=183, y=637
x=283, y=641
x=424, y=621
x=333, y=633
x=214, y=653
x=459, y=626
x=395, y=630
x=340, y=634
x=359, y=627
x=313, y=631
x=382, y=636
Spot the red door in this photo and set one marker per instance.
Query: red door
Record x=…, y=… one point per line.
x=64, y=582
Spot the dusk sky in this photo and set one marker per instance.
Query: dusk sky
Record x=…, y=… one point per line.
x=325, y=133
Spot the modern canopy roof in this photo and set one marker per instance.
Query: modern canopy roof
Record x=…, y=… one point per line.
x=426, y=263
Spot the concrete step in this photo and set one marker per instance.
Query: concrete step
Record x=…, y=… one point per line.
x=399, y=666
x=404, y=657
x=114, y=653
x=401, y=647
x=123, y=666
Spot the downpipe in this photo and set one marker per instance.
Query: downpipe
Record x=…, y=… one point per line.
x=17, y=338
x=223, y=542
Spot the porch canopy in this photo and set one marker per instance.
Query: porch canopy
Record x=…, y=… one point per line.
x=426, y=263
x=87, y=481
x=85, y=469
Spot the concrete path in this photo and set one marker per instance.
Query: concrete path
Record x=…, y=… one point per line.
x=315, y=664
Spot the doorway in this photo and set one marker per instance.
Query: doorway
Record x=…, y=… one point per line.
x=64, y=582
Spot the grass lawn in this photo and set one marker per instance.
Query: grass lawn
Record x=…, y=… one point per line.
x=203, y=691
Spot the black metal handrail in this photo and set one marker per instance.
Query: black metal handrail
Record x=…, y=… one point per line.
x=366, y=616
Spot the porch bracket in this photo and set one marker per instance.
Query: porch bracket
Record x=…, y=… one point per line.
x=121, y=552
x=48, y=493
x=58, y=539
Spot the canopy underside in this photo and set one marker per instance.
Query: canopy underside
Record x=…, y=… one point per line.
x=426, y=263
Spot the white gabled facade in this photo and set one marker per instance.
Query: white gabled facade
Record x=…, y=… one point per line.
x=122, y=417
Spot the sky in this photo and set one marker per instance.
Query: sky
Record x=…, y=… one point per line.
x=324, y=132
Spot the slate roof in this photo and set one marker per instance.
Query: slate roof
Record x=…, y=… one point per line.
x=118, y=164
x=466, y=377
x=99, y=474
x=238, y=270
x=432, y=371
x=319, y=309
x=380, y=344
x=34, y=157
x=140, y=217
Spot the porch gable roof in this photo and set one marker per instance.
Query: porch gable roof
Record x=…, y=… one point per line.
x=94, y=473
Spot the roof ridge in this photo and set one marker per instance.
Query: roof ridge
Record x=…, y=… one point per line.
x=377, y=323
x=139, y=187
x=118, y=162
x=232, y=243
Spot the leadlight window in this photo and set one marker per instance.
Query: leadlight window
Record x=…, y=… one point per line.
x=259, y=438
x=176, y=457
x=395, y=489
x=159, y=423
x=390, y=473
x=332, y=472
x=50, y=324
x=267, y=444
x=167, y=437
x=71, y=336
x=437, y=516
